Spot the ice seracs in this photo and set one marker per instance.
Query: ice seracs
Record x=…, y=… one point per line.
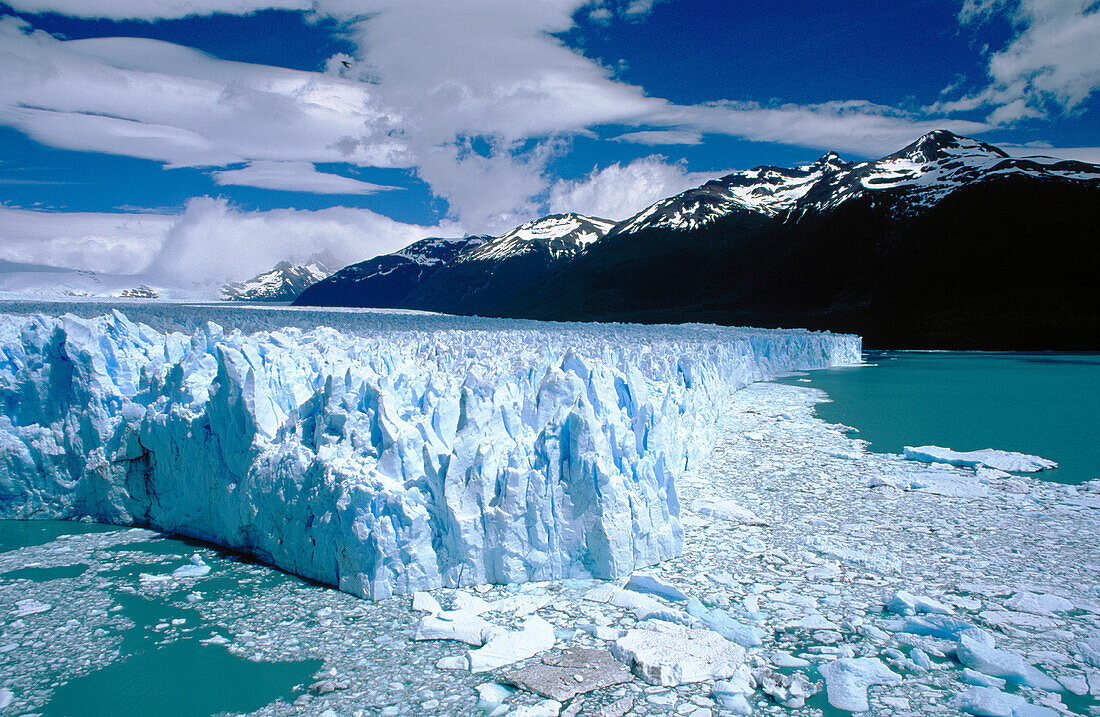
x=406, y=454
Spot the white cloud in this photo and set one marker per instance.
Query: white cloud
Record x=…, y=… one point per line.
x=663, y=136
x=1052, y=60
x=210, y=243
x=620, y=191
x=104, y=242
x=153, y=9
x=155, y=100
x=295, y=177
x=1080, y=154
x=214, y=242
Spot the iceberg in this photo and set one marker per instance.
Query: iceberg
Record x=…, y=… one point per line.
x=985, y=458
x=395, y=454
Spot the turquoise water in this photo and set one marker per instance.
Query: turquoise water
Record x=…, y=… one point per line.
x=1040, y=403
x=144, y=667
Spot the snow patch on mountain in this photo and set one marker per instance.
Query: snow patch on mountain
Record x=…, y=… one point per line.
x=284, y=282
x=926, y=171
x=563, y=235
x=405, y=452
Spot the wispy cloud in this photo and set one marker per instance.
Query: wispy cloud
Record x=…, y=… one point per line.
x=620, y=191
x=1050, y=65
x=295, y=177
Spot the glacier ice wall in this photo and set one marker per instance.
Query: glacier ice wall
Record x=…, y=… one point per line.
x=399, y=454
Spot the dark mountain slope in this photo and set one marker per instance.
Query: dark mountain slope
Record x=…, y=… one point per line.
x=1002, y=264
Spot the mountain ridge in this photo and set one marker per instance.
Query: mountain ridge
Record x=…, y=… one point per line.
x=831, y=245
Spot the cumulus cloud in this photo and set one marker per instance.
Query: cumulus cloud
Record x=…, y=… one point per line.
x=620, y=191
x=103, y=242
x=295, y=177
x=210, y=243
x=214, y=242
x=1051, y=62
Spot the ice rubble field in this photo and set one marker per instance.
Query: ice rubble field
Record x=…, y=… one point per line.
x=839, y=579
x=401, y=452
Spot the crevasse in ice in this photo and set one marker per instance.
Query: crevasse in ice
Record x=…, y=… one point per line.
x=385, y=460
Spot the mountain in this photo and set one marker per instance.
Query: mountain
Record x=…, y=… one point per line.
x=465, y=275
x=284, y=282
x=385, y=281
x=949, y=242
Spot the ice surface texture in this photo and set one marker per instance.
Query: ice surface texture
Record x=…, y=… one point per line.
x=402, y=453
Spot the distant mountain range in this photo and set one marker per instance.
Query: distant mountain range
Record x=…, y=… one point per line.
x=947, y=243
x=285, y=282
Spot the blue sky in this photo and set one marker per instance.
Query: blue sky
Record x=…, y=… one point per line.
x=209, y=139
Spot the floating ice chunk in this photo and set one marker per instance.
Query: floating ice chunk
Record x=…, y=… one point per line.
x=30, y=606
x=950, y=485
x=719, y=621
x=782, y=658
x=976, y=650
x=472, y=604
x=424, y=602
x=216, y=640
x=731, y=694
x=988, y=702
x=990, y=458
x=973, y=677
x=505, y=648
x=1089, y=650
x=1038, y=603
x=847, y=680
x=941, y=626
x=492, y=695
x=811, y=623
x=519, y=604
x=1023, y=619
x=791, y=690
x=6, y=697
x=196, y=569
x=456, y=625
x=726, y=510
x=905, y=603
x=920, y=659
x=666, y=654
x=736, y=703
x=655, y=586
x=546, y=708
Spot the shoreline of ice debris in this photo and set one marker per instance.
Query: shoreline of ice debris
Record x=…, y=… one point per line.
x=402, y=453
x=849, y=580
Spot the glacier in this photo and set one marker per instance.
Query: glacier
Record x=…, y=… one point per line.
x=399, y=452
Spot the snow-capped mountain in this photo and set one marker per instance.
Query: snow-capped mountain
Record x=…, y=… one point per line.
x=947, y=243
x=562, y=236
x=443, y=274
x=385, y=281
x=926, y=171
x=284, y=282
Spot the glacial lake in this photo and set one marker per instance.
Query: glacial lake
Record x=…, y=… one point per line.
x=1046, y=404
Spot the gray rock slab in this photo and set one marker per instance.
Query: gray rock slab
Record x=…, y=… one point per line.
x=564, y=675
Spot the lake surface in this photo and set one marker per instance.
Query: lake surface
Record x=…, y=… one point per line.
x=1046, y=404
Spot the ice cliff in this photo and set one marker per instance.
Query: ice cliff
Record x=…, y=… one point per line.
x=396, y=454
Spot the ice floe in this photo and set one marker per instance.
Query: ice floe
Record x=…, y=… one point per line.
x=988, y=458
